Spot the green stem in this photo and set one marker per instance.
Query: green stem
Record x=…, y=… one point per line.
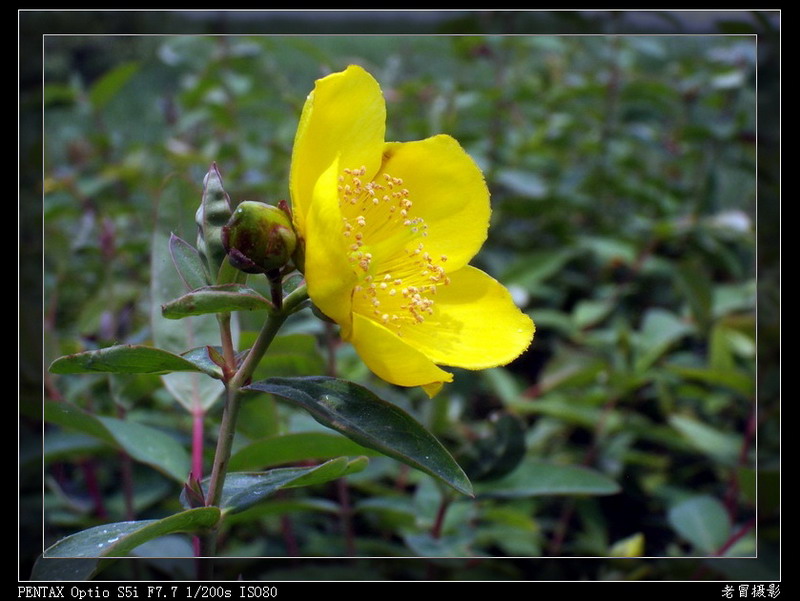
x=233, y=398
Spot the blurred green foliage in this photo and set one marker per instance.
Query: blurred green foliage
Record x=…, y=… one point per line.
x=623, y=178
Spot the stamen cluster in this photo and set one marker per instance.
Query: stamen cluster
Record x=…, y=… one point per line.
x=398, y=278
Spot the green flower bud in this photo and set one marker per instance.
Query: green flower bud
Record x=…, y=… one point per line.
x=259, y=238
x=213, y=213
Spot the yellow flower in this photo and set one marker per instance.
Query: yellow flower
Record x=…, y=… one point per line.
x=389, y=230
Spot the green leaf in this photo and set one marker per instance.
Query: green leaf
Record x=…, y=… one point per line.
x=70, y=416
x=703, y=521
x=695, y=281
x=569, y=368
x=394, y=512
x=723, y=446
x=202, y=358
x=243, y=490
x=370, y=421
x=125, y=359
x=660, y=329
x=727, y=343
x=732, y=298
x=188, y=263
x=283, y=507
x=425, y=545
x=150, y=446
x=535, y=267
x=290, y=448
x=610, y=250
x=523, y=183
x=564, y=408
x=145, y=444
x=224, y=298
x=738, y=381
x=127, y=390
x=588, y=313
x=60, y=446
x=59, y=562
x=533, y=478
x=111, y=83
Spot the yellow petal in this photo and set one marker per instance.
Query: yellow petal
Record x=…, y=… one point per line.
x=392, y=359
x=345, y=116
x=432, y=389
x=329, y=277
x=448, y=192
x=475, y=324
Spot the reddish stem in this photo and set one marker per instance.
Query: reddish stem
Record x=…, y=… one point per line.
x=735, y=538
x=345, y=515
x=732, y=494
x=287, y=529
x=90, y=475
x=438, y=524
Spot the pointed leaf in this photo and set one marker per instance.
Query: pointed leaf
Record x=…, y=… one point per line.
x=124, y=359
x=703, y=521
x=59, y=562
x=215, y=299
x=188, y=263
x=74, y=418
x=145, y=444
x=293, y=447
x=370, y=421
x=204, y=359
x=533, y=268
x=150, y=446
x=244, y=489
x=590, y=312
x=660, y=329
x=330, y=470
x=696, y=281
x=536, y=479
x=105, y=88
x=63, y=446
x=723, y=446
x=737, y=380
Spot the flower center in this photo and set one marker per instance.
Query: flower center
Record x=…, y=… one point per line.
x=397, y=278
